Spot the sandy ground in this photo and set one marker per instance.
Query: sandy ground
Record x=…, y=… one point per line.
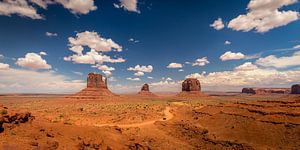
x=164, y=122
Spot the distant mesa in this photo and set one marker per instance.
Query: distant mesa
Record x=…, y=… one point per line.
x=96, y=88
x=191, y=87
x=266, y=90
x=145, y=91
x=295, y=89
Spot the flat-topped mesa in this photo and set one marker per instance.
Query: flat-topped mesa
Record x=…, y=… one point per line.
x=96, y=81
x=295, y=89
x=96, y=88
x=266, y=90
x=191, y=87
x=145, y=91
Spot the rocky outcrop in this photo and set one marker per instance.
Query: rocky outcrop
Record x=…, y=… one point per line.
x=13, y=117
x=145, y=88
x=191, y=84
x=295, y=89
x=145, y=91
x=191, y=87
x=96, y=88
x=266, y=90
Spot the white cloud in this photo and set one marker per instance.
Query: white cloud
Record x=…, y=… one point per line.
x=280, y=62
x=133, y=79
x=129, y=5
x=78, y=6
x=33, y=61
x=139, y=73
x=232, y=56
x=25, y=8
x=43, y=53
x=97, y=46
x=218, y=24
x=4, y=66
x=264, y=15
x=237, y=79
x=77, y=73
x=133, y=40
x=150, y=77
x=227, y=42
x=140, y=68
x=105, y=69
x=296, y=47
x=50, y=34
x=174, y=65
x=13, y=81
x=18, y=7
x=180, y=70
x=166, y=86
x=93, y=40
x=201, y=62
x=247, y=66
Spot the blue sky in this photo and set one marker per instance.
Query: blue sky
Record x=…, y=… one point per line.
x=263, y=43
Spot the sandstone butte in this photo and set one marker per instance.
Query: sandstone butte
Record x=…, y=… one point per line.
x=295, y=89
x=145, y=91
x=96, y=88
x=191, y=87
x=266, y=90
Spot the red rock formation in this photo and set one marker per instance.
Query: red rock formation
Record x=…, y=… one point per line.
x=96, y=88
x=145, y=91
x=191, y=87
x=295, y=89
x=266, y=90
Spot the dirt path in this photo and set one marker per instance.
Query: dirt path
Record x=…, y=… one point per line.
x=167, y=116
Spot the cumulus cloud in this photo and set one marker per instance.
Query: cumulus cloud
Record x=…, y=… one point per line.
x=174, y=65
x=247, y=66
x=49, y=34
x=25, y=8
x=218, y=24
x=12, y=81
x=129, y=5
x=166, y=86
x=139, y=73
x=133, y=40
x=105, y=69
x=150, y=77
x=280, y=62
x=227, y=42
x=232, y=56
x=141, y=68
x=246, y=76
x=264, y=15
x=93, y=40
x=43, y=53
x=201, y=62
x=94, y=56
x=33, y=61
x=4, y=66
x=133, y=79
x=18, y=7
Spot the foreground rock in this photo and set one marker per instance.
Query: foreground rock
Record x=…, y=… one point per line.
x=266, y=90
x=295, y=89
x=96, y=88
x=191, y=87
x=145, y=91
x=13, y=117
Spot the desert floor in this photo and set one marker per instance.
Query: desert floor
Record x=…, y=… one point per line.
x=164, y=122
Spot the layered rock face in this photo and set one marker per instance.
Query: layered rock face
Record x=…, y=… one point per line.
x=145, y=91
x=191, y=84
x=266, y=90
x=295, y=89
x=191, y=87
x=96, y=88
